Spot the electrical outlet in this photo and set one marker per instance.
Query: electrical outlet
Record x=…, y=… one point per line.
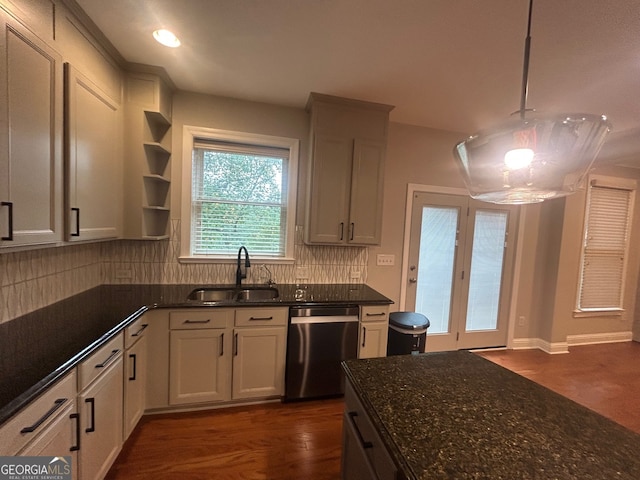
x=302, y=273
x=355, y=274
x=521, y=320
x=385, y=259
x=123, y=273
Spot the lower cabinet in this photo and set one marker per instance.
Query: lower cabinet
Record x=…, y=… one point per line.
x=374, y=326
x=100, y=404
x=364, y=455
x=219, y=355
x=134, y=379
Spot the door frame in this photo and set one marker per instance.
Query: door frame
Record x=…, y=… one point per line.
x=515, y=286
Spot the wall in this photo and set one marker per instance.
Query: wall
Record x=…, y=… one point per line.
x=414, y=155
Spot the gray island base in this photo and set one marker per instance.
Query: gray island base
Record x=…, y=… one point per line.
x=455, y=415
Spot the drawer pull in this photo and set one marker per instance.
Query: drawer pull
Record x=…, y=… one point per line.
x=260, y=318
x=197, y=321
x=139, y=332
x=76, y=417
x=375, y=314
x=108, y=359
x=56, y=405
x=363, y=442
x=92, y=401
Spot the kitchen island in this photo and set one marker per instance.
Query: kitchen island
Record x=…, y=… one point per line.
x=457, y=415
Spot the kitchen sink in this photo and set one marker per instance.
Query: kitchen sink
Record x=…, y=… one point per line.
x=229, y=294
x=257, y=294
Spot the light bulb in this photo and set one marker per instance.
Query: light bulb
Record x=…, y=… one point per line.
x=166, y=38
x=518, y=158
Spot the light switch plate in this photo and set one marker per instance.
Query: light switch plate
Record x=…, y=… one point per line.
x=385, y=259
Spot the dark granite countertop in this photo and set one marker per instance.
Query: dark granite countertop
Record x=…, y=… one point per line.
x=457, y=415
x=37, y=349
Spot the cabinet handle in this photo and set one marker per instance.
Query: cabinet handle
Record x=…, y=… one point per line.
x=133, y=357
x=353, y=227
x=341, y=230
x=139, y=332
x=197, y=321
x=92, y=428
x=76, y=447
x=364, y=335
x=77, y=232
x=235, y=342
x=10, y=232
x=375, y=314
x=108, y=359
x=363, y=442
x=56, y=405
x=260, y=318
x=221, y=344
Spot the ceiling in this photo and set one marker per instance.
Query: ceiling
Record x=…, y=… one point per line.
x=447, y=64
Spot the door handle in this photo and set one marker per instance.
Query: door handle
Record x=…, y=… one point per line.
x=9, y=236
x=413, y=280
x=92, y=402
x=77, y=232
x=133, y=357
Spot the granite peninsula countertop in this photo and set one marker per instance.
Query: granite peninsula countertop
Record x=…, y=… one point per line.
x=457, y=415
x=38, y=348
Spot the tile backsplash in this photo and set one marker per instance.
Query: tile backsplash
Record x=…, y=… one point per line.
x=35, y=278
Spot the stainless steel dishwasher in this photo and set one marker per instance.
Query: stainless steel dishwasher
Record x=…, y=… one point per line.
x=319, y=339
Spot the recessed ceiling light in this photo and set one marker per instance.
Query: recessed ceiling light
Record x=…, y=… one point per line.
x=166, y=38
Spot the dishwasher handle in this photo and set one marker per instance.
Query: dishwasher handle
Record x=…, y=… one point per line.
x=324, y=319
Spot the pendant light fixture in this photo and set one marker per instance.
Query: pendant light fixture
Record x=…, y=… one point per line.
x=529, y=160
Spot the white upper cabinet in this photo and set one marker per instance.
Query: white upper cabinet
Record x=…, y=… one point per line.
x=348, y=146
x=31, y=120
x=93, y=196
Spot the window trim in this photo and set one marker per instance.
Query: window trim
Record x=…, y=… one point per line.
x=619, y=184
x=189, y=135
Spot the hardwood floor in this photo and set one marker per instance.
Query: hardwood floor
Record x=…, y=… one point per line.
x=302, y=441
x=604, y=378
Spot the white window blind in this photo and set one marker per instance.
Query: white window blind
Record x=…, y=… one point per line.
x=605, y=248
x=238, y=197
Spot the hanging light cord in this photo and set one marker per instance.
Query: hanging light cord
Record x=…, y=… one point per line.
x=525, y=67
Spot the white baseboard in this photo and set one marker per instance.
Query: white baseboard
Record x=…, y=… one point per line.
x=593, y=338
x=572, y=340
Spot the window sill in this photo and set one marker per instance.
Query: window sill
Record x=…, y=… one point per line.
x=234, y=258
x=598, y=313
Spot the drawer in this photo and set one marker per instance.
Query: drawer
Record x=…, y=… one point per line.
x=99, y=361
x=376, y=450
x=135, y=331
x=37, y=416
x=253, y=317
x=374, y=313
x=202, y=318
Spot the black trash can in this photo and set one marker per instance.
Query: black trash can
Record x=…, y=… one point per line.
x=407, y=333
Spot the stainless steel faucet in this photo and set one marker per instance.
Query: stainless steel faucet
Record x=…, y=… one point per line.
x=240, y=274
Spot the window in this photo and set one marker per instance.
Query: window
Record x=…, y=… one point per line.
x=241, y=191
x=605, y=246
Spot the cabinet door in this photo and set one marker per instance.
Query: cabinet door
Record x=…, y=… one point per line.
x=199, y=369
x=100, y=408
x=93, y=188
x=367, y=185
x=58, y=439
x=328, y=206
x=373, y=339
x=135, y=362
x=259, y=362
x=30, y=138
x=354, y=461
